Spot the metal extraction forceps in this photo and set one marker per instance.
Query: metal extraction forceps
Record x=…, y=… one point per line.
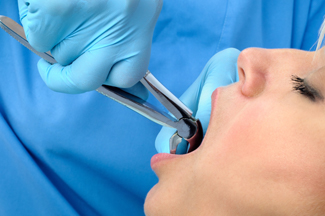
x=182, y=118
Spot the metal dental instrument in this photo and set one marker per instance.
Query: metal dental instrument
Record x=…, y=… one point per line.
x=187, y=126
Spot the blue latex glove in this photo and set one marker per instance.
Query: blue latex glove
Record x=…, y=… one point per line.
x=95, y=42
x=221, y=70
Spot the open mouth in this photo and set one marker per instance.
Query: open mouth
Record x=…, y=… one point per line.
x=179, y=145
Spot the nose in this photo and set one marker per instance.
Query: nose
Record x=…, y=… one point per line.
x=252, y=66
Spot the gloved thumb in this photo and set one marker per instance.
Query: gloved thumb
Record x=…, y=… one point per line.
x=219, y=71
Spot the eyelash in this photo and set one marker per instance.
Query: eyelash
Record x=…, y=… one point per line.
x=300, y=86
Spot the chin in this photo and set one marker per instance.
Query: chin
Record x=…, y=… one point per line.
x=159, y=201
x=150, y=204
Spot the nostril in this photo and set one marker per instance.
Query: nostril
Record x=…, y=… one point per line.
x=27, y=4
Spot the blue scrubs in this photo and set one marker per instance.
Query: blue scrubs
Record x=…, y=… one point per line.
x=87, y=155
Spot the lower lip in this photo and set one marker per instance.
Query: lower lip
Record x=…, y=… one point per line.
x=158, y=158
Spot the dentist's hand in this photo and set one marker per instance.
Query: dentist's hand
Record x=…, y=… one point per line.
x=95, y=42
x=219, y=71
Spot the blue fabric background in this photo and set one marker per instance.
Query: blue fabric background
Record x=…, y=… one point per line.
x=87, y=155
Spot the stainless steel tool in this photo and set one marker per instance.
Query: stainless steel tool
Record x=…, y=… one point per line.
x=182, y=118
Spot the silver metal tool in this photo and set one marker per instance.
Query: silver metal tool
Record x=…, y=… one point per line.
x=187, y=126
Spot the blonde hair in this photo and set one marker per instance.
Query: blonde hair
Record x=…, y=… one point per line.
x=321, y=36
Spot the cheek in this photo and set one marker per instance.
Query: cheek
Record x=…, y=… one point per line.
x=260, y=146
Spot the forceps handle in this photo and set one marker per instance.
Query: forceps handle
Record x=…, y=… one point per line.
x=165, y=97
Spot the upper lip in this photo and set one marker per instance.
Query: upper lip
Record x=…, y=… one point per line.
x=214, y=97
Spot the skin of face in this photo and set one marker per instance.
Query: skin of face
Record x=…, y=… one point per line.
x=264, y=151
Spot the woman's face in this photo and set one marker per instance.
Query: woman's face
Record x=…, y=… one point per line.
x=264, y=151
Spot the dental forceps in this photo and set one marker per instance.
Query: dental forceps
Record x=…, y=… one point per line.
x=181, y=117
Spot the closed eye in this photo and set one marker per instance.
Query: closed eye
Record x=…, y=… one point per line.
x=303, y=88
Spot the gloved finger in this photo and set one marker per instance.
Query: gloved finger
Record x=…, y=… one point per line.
x=162, y=139
x=70, y=79
x=138, y=90
x=128, y=71
x=57, y=78
x=86, y=73
x=23, y=10
x=48, y=23
x=22, y=6
x=219, y=71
